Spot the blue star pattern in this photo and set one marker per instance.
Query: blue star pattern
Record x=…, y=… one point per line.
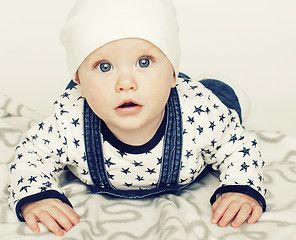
x=42, y=156
x=229, y=148
x=130, y=171
x=212, y=134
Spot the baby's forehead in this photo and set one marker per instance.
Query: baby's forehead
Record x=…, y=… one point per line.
x=128, y=44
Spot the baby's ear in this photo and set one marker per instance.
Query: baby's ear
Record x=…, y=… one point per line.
x=174, y=80
x=77, y=80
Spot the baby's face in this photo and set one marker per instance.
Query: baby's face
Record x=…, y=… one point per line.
x=127, y=84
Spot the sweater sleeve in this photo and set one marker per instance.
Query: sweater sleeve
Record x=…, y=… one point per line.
x=234, y=152
x=240, y=166
x=212, y=116
x=39, y=161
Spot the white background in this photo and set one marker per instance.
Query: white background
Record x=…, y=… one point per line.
x=247, y=43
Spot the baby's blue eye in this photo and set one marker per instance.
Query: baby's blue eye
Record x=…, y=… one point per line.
x=144, y=62
x=105, y=67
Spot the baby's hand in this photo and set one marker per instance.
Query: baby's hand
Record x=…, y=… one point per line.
x=52, y=213
x=235, y=206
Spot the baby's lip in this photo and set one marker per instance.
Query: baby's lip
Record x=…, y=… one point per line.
x=128, y=103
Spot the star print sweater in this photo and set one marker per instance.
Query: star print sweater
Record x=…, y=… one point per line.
x=212, y=136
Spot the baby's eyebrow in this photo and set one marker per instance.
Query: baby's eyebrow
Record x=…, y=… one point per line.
x=148, y=47
x=97, y=57
x=153, y=49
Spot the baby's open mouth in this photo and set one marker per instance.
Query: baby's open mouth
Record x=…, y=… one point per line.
x=128, y=107
x=128, y=104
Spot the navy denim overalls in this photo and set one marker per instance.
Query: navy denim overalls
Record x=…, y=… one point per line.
x=172, y=149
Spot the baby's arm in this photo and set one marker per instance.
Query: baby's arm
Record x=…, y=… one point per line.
x=235, y=206
x=52, y=213
x=40, y=160
x=230, y=150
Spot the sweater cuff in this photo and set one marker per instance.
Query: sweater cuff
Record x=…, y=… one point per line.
x=240, y=189
x=38, y=197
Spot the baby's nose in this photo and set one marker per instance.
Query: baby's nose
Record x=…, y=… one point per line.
x=126, y=82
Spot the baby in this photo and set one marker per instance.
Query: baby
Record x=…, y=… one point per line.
x=131, y=125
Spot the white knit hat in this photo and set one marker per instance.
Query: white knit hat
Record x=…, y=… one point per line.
x=94, y=23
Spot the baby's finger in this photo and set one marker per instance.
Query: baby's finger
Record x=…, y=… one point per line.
x=242, y=215
x=70, y=213
x=229, y=214
x=256, y=214
x=216, y=204
x=31, y=221
x=219, y=209
x=61, y=218
x=47, y=220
